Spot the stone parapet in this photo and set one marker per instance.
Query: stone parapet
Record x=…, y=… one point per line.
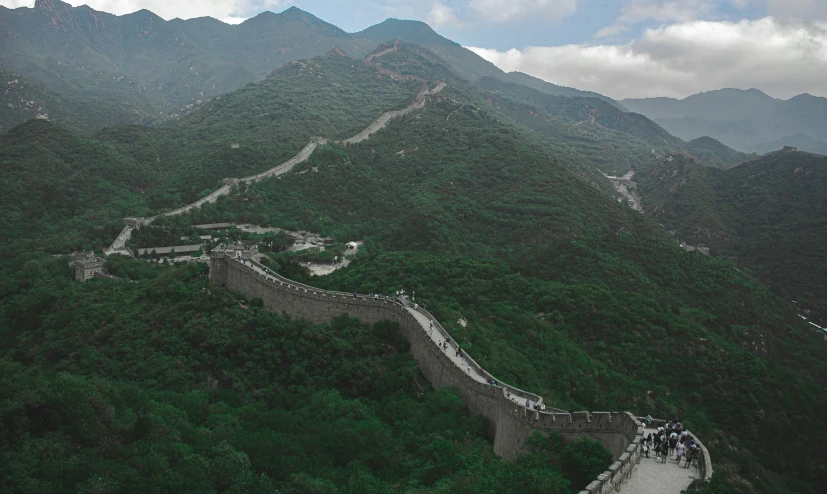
x=510, y=424
x=705, y=465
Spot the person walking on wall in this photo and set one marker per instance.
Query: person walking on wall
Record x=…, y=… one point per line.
x=354, y=294
x=679, y=453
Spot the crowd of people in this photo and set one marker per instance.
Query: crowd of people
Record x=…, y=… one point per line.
x=672, y=441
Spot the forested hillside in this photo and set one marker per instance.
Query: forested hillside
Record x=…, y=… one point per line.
x=139, y=68
x=582, y=286
x=714, y=153
x=23, y=99
x=767, y=215
x=161, y=382
x=613, y=140
x=166, y=384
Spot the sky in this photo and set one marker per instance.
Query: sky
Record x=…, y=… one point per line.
x=620, y=48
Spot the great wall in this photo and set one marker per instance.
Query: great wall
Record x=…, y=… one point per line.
x=511, y=412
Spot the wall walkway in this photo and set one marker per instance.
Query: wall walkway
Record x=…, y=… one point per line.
x=510, y=411
x=118, y=246
x=511, y=422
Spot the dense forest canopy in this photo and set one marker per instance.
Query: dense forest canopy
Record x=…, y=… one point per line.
x=486, y=203
x=767, y=215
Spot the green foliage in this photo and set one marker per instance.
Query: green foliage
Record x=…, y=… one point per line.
x=765, y=215
x=23, y=99
x=715, y=153
x=564, y=291
x=163, y=384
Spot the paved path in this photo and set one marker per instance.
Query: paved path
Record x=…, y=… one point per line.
x=302, y=156
x=438, y=338
x=653, y=477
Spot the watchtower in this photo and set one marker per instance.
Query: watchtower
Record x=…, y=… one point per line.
x=86, y=268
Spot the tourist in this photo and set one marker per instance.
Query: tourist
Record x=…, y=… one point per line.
x=644, y=448
x=354, y=294
x=690, y=455
x=679, y=453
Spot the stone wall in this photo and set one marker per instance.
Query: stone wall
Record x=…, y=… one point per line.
x=509, y=424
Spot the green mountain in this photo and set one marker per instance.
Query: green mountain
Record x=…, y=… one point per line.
x=563, y=291
x=766, y=214
x=613, y=140
x=481, y=222
x=23, y=99
x=715, y=153
x=151, y=69
x=747, y=120
x=553, y=89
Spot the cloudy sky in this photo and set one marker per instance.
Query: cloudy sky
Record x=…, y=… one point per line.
x=621, y=48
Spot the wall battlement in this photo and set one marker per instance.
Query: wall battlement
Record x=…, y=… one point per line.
x=510, y=423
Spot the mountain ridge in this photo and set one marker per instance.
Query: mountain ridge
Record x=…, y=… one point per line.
x=165, y=65
x=747, y=120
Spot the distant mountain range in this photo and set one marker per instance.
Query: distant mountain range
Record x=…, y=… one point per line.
x=747, y=120
x=151, y=68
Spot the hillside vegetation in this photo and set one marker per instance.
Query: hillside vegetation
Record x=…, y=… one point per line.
x=169, y=383
x=612, y=140
x=564, y=291
x=147, y=69
x=767, y=215
x=715, y=153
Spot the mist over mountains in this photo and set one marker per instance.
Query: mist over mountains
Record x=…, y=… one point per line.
x=747, y=120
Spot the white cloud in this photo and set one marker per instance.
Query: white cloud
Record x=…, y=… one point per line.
x=637, y=11
x=232, y=11
x=441, y=15
x=782, y=59
x=507, y=10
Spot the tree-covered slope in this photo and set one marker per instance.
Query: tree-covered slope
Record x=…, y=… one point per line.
x=613, y=140
x=331, y=96
x=150, y=66
x=767, y=214
x=151, y=69
x=563, y=290
x=23, y=99
x=63, y=192
x=715, y=153
x=168, y=384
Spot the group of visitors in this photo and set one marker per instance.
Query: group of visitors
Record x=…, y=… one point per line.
x=672, y=440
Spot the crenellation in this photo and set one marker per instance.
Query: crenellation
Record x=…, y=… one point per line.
x=510, y=423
